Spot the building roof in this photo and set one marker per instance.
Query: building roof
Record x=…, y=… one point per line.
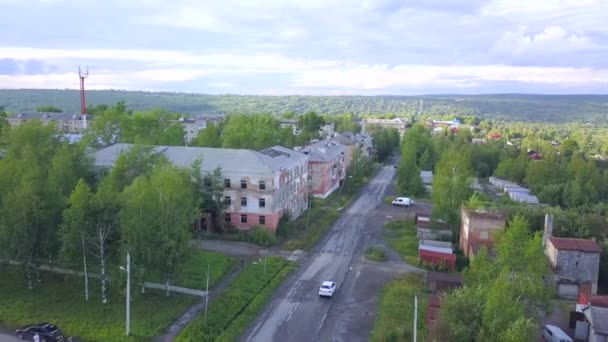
x=47, y=116
x=484, y=214
x=324, y=150
x=229, y=160
x=595, y=300
x=444, y=277
x=385, y=121
x=436, y=246
x=598, y=318
x=573, y=244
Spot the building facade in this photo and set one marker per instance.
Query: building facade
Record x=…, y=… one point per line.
x=326, y=166
x=575, y=262
x=399, y=124
x=69, y=123
x=259, y=187
x=479, y=228
x=192, y=126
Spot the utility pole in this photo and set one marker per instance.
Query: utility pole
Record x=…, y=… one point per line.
x=265, y=264
x=207, y=296
x=128, y=292
x=86, y=275
x=415, y=316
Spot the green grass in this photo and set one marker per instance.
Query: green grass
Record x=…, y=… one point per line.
x=375, y=253
x=194, y=272
x=389, y=199
x=401, y=236
x=230, y=313
x=323, y=214
x=395, y=318
x=60, y=300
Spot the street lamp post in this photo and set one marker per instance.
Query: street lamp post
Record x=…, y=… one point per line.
x=128, y=309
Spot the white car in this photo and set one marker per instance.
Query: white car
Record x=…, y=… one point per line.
x=403, y=202
x=551, y=333
x=328, y=288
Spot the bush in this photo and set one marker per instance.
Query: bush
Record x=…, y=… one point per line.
x=375, y=253
x=261, y=236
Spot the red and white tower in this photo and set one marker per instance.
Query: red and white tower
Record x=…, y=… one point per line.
x=83, y=102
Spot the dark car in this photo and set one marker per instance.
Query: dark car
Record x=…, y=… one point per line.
x=46, y=331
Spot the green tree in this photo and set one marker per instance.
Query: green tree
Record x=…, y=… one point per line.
x=156, y=220
x=209, y=194
x=210, y=136
x=138, y=160
x=451, y=184
x=108, y=126
x=309, y=125
x=409, y=182
x=250, y=131
x=48, y=109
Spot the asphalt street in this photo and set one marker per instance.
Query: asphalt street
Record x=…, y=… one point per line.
x=297, y=313
x=5, y=337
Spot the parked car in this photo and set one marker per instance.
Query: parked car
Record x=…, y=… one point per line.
x=328, y=288
x=551, y=333
x=403, y=202
x=46, y=331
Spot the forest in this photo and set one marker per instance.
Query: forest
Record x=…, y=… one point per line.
x=514, y=107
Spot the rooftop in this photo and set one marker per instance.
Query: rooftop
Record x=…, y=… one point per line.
x=324, y=150
x=598, y=317
x=229, y=160
x=47, y=116
x=573, y=244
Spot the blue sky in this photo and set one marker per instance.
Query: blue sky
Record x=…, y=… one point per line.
x=310, y=47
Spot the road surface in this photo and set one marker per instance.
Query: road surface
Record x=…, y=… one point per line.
x=298, y=313
x=7, y=337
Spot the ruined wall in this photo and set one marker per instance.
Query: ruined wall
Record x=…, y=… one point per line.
x=577, y=265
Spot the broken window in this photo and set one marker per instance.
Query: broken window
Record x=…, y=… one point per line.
x=243, y=184
x=262, y=185
x=227, y=200
x=244, y=201
x=262, y=219
x=262, y=203
x=226, y=183
x=227, y=217
x=243, y=218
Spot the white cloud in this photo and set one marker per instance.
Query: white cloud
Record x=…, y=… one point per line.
x=551, y=40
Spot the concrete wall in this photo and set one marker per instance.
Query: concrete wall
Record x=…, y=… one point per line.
x=324, y=178
x=576, y=265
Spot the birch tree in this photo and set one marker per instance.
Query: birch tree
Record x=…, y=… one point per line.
x=157, y=218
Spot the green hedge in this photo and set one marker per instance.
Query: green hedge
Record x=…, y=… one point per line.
x=228, y=307
x=376, y=253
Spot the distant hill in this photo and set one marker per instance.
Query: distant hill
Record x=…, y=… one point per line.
x=540, y=108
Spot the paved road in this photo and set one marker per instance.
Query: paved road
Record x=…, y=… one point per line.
x=298, y=313
x=5, y=337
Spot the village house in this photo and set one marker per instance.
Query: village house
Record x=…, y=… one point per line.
x=326, y=166
x=363, y=142
x=590, y=319
x=479, y=228
x=259, y=187
x=68, y=123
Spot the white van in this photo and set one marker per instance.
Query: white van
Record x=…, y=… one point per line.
x=403, y=202
x=551, y=333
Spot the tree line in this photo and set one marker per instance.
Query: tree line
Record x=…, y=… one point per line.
x=514, y=107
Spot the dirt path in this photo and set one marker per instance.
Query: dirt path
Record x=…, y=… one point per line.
x=176, y=327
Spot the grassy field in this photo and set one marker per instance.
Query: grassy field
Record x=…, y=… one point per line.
x=194, y=271
x=401, y=236
x=230, y=313
x=395, y=320
x=375, y=253
x=60, y=300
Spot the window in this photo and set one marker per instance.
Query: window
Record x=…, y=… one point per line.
x=262, y=185
x=243, y=218
x=243, y=184
x=244, y=201
x=226, y=183
x=227, y=217
x=262, y=219
x=227, y=200
x=207, y=182
x=309, y=167
x=310, y=178
x=262, y=203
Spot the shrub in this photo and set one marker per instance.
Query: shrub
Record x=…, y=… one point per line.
x=375, y=253
x=261, y=236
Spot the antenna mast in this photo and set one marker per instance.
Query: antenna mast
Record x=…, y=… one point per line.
x=83, y=102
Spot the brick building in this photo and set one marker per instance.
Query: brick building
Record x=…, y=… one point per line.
x=479, y=228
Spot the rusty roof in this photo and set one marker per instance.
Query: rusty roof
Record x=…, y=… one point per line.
x=573, y=244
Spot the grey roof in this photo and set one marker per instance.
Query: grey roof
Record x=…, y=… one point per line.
x=47, y=116
x=229, y=160
x=324, y=150
x=346, y=138
x=598, y=317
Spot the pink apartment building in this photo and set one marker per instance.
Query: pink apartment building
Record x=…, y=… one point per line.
x=326, y=166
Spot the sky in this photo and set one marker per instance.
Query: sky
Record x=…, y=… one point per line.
x=308, y=47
